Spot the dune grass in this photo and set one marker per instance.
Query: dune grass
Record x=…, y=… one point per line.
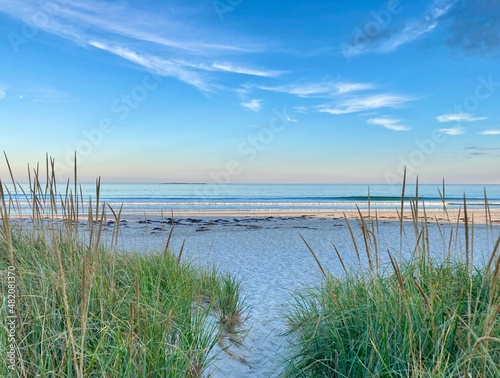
x=417, y=317
x=84, y=309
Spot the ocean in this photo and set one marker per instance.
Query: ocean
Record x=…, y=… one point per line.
x=279, y=198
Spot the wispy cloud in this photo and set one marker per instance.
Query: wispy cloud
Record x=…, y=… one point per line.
x=163, y=67
x=482, y=151
x=389, y=123
x=359, y=104
x=324, y=89
x=490, y=132
x=49, y=96
x=228, y=67
x=167, y=43
x=418, y=28
x=453, y=131
x=390, y=40
x=300, y=109
x=459, y=117
x=252, y=105
x=36, y=92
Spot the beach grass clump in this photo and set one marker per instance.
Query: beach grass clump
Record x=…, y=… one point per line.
x=419, y=317
x=84, y=309
x=423, y=322
x=231, y=313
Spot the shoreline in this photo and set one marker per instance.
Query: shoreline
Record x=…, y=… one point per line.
x=475, y=216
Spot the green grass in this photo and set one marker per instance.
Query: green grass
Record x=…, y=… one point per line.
x=413, y=318
x=86, y=310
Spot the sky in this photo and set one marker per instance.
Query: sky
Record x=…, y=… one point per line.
x=241, y=91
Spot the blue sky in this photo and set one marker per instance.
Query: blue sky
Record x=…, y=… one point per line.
x=244, y=91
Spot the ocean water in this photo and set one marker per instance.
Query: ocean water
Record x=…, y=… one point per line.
x=269, y=198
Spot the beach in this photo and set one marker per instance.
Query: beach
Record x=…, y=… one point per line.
x=268, y=254
x=266, y=243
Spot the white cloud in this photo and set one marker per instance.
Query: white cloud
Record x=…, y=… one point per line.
x=389, y=123
x=410, y=32
x=228, y=67
x=300, y=109
x=354, y=87
x=157, y=65
x=253, y=105
x=49, y=95
x=453, y=131
x=459, y=117
x=2, y=94
x=325, y=89
x=359, y=104
x=490, y=132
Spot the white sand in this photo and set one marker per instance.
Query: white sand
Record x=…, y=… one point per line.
x=272, y=260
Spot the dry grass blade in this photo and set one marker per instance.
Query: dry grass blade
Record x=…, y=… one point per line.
x=314, y=255
x=493, y=255
x=180, y=252
x=75, y=178
x=442, y=195
x=353, y=238
x=165, y=251
x=369, y=204
x=340, y=258
x=6, y=225
x=416, y=199
x=397, y=271
x=367, y=239
x=402, y=205
x=467, y=242
x=417, y=242
x=10, y=172
x=116, y=227
x=487, y=210
x=98, y=194
x=102, y=221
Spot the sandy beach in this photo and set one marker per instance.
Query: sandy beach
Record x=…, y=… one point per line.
x=478, y=215
x=268, y=254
